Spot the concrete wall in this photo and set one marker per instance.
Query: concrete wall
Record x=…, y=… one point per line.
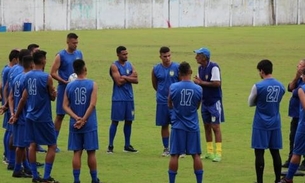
x=106, y=14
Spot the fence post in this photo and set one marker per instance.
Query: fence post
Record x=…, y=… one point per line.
x=2, y=12
x=68, y=15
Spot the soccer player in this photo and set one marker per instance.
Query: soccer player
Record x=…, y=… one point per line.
x=61, y=69
x=266, y=95
x=38, y=94
x=162, y=76
x=13, y=60
x=79, y=102
x=293, y=110
x=19, y=125
x=33, y=48
x=123, y=75
x=13, y=72
x=211, y=109
x=185, y=98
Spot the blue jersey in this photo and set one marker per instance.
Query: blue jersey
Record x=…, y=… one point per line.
x=186, y=96
x=17, y=89
x=210, y=95
x=269, y=95
x=79, y=96
x=14, y=71
x=66, y=63
x=294, y=102
x=165, y=77
x=4, y=75
x=123, y=92
x=39, y=101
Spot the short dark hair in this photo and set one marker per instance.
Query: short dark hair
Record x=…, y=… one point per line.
x=31, y=47
x=26, y=61
x=120, y=48
x=184, y=68
x=78, y=66
x=265, y=65
x=38, y=56
x=23, y=53
x=164, y=49
x=72, y=36
x=13, y=54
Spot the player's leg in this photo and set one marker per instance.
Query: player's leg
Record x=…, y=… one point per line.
x=116, y=116
x=293, y=128
x=11, y=149
x=163, y=120
x=5, y=137
x=216, y=112
x=60, y=113
x=259, y=164
x=177, y=147
x=91, y=145
x=129, y=117
x=193, y=147
x=206, y=118
x=76, y=165
x=275, y=143
x=299, y=149
x=45, y=135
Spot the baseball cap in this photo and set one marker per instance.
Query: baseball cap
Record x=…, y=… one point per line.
x=204, y=51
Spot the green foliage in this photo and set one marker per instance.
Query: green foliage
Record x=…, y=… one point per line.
x=237, y=50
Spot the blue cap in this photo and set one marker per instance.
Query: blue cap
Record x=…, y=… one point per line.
x=204, y=51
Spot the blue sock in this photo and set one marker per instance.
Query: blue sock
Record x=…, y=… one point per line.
x=17, y=167
x=291, y=171
x=76, y=174
x=5, y=143
x=34, y=170
x=47, y=170
x=172, y=176
x=93, y=174
x=56, y=134
x=127, y=134
x=112, y=132
x=12, y=157
x=199, y=175
x=26, y=165
x=165, y=141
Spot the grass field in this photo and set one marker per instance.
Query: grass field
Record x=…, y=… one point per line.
x=237, y=50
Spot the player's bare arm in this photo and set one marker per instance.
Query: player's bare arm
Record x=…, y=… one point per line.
x=118, y=79
x=66, y=107
x=154, y=80
x=293, y=84
x=21, y=104
x=11, y=102
x=54, y=70
x=169, y=102
x=51, y=89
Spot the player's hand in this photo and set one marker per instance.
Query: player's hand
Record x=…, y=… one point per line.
x=80, y=122
x=197, y=80
x=3, y=109
x=13, y=119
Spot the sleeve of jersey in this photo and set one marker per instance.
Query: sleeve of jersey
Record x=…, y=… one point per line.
x=252, y=96
x=215, y=74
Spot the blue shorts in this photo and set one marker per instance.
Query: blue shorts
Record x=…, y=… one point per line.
x=163, y=115
x=264, y=139
x=121, y=111
x=213, y=113
x=60, y=98
x=80, y=141
x=299, y=145
x=9, y=127
x=42, y=133
x=19, y=136
x=6, y=118
x=183, y=142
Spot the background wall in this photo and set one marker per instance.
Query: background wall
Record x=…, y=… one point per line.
x=106, y=14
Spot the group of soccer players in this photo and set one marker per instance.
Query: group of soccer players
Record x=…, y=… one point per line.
x=27, y=92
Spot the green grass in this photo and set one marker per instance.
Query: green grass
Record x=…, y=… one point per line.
x=237, y=50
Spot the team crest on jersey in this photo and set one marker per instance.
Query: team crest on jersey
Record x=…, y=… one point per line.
x=213, y=118
x=171, y=73
x=127, y=71
x=206, y=77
